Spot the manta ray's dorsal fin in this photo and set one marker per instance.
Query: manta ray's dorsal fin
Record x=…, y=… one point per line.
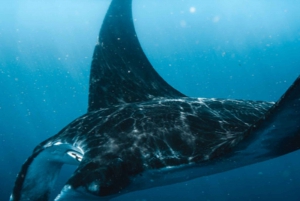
x=121, y=72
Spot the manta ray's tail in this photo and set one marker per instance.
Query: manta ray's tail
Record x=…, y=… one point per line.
x=278, y=132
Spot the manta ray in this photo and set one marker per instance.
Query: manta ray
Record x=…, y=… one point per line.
x=139, y=132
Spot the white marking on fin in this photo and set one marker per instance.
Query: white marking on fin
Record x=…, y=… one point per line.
x=75, y=155
x=57, y=143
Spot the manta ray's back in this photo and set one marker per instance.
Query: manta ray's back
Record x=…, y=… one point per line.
x=139, y=129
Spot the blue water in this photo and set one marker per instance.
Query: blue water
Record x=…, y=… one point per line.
x=225, y=49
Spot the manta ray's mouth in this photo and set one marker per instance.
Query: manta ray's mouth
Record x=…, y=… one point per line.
x=39, y=173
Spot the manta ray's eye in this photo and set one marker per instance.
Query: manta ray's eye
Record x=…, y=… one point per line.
x=75, y=155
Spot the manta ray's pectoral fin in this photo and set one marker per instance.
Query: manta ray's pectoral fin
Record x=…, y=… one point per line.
x=278, y=132
x=120, y=71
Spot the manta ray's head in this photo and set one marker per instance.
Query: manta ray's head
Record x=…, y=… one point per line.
x=39, y=173
x=95, y=177
x=93, y=181
x=102, y=175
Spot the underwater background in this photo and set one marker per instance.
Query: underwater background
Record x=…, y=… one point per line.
x=238, y=49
